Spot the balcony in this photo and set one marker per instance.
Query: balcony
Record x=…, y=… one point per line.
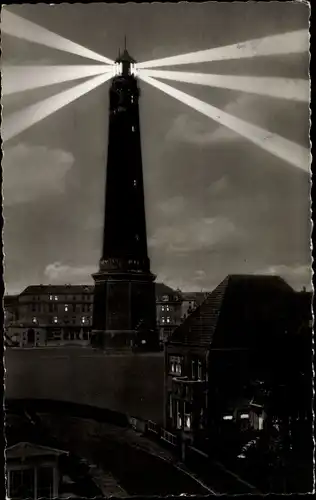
x=188, y=389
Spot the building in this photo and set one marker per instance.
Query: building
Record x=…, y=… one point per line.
x=51, y=314
x=124, y=296
x=168, y=310
x=33, y=471
x=62, y=314
x=212, y=360
x=190, y=301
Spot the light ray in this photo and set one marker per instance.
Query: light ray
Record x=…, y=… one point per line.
x=287, y=43
x=19, y=121
x=20, y=78
x=288, y=151
x=21, y=28
x=281, y=88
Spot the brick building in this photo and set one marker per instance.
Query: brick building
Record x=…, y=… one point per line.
x=62, y=314
x=233, y=339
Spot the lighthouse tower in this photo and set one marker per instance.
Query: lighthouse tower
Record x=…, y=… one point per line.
x=124, y=313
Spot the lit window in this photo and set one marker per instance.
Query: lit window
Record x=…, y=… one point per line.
x=199, y=370
x=179, y=421
x=162, y=308
x=260, y=423
x=133, y=128
x=83, y=319
x=66, y=307
x=162, y=320
x=244, y=415
x=135, y=183
x=34, y=320
x=167, y=308
x=168, y=320
x=50, y=297
x=55, y=320
x=55, y=298
x=227, y=417
x=137, y=237
x=187, y=421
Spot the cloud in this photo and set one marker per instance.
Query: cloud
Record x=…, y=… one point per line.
x=297, y=276
x=173, y=206
x=33, y=172
x=61, y=273
x=192, y=234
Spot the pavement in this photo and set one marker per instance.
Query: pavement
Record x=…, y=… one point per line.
x=136, y=465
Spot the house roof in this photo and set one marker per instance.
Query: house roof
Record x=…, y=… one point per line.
x=160, y=288
x=238, y=308
x=57, y=289
x=10, y=300
x=25, y=449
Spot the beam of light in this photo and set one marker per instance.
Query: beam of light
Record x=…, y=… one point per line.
x=282, y=88
x=19, y=121
x=288, y=43
x=288, y=151
x=20, y=78
x=14, y=25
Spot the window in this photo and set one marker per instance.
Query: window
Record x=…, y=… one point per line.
x=175, y=365
x=83, y=319
x=133, y=128
x=162, y=308
x=50, y=308
x=55, y=319
x=45, y=482
x=66, y=307
x=73, y=307
x=55, y=297
x=74, y=297
x=193, y=369
x=34, y=320
x=33, y=307
x=199, y=370
x=22, y=484
x=170, y=406
x=135, y=183
x=162, y=320
x=260, y=423
x=227, y=417
x=187, y=421
x=50, y=297
x=167, y=308
x=168, y=319
x=244, y=416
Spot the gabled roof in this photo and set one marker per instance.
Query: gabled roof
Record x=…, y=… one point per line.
x=25, y=449
x=200, y=326
x=57, y=289
x=239, y=307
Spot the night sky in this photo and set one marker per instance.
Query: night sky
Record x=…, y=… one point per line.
x=216, y=204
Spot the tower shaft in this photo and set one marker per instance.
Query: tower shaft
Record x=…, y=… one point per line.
x=124, y=302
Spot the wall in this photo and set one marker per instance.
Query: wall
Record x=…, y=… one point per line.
x=132, y=384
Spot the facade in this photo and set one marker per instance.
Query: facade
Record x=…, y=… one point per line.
x=213, y=359
x=190, y=301
x=124, y=296
x=168, y=310
x=32, y=471
x=62, y=314
x=50, y=315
